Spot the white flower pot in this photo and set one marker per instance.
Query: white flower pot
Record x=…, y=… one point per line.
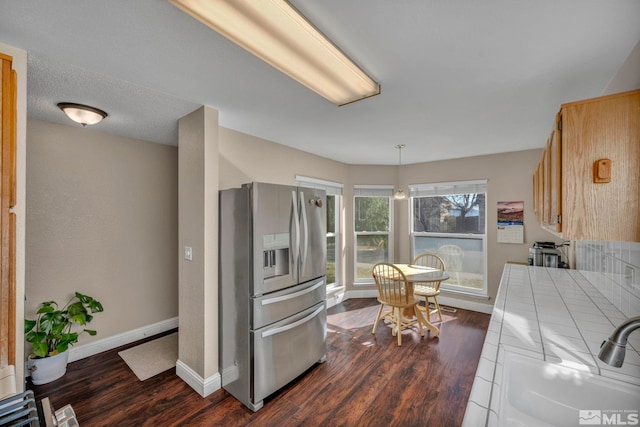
x=48, y=369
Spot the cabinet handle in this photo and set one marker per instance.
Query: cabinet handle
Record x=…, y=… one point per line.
x=602, y=171
x=285, y=328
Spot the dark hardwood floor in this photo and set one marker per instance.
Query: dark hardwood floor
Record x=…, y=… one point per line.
x=366, y=381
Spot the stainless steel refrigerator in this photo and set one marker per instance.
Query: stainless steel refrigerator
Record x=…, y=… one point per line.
x=272, y=268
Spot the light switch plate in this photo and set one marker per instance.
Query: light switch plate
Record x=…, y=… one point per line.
x=187, y=253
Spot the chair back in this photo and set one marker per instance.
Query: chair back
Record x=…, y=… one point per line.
x=392, y=285
x=453, y=255
x=432, y=261
x=429, y=260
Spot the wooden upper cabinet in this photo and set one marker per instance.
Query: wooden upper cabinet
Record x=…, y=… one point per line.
x=576, y=205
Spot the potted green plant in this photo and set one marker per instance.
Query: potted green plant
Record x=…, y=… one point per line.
x=51, y=335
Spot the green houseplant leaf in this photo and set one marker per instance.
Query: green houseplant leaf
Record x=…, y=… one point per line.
x=51, y=332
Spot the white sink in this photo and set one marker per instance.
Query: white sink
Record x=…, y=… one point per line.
x=538, y=393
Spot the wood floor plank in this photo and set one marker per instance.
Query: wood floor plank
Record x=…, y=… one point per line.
x=366, y=381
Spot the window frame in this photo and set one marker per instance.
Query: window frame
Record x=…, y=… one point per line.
x=419, y=190
x=332, y=189
x=336, y=238
x=372, y=191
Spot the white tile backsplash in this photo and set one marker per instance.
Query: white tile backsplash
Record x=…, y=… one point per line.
x=607, y=265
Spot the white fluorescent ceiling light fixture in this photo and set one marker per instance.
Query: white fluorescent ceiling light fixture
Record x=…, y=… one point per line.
x=274, y=31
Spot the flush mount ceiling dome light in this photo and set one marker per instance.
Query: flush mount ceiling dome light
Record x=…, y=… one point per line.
x=277, y=33
x=82, y=114
x=399, y=194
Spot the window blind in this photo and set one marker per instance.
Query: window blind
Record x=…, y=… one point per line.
x=373, y=190
x=448, y=188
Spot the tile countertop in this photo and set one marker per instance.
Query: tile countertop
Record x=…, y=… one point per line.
x=550, y=314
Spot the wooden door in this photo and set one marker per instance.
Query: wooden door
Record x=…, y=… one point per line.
x=8, y=93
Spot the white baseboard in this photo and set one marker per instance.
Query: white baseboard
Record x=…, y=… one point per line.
x=465, y=304
x=81, y=351
x=336, y=297
x=196, y=382
x=443, y=300
x=364, y=293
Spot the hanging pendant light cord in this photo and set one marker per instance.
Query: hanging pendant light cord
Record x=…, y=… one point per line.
x=399, y=194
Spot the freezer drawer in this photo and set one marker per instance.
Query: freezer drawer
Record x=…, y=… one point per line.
x=278, y=305
x=286, y=349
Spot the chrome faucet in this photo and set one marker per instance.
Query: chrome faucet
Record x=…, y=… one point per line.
x=612, y=350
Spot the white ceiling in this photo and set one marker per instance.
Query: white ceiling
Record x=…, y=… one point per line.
x=459, y=77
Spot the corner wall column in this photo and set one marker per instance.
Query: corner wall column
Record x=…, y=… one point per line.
x=198, y=160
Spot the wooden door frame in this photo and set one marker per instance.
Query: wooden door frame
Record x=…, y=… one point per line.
x=8, y=127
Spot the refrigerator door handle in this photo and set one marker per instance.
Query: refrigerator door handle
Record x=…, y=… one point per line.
x=294, y=324
x=305, y=228
x=293, y=295
x=295, y=229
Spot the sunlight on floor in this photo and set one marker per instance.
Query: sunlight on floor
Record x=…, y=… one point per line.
x=356, y=318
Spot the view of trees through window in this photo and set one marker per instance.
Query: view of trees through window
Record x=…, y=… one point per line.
x=331, y=238
x=372, y=228
x=452, y=227
x=456, y=213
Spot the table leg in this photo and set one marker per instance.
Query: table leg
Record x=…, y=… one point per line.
x=428, y=324
x=409, y=313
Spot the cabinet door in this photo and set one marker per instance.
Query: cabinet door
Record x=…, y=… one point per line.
x=535, y=193
x=540, y=189
x=601, y=128
x=555, y=177
x=546, y=193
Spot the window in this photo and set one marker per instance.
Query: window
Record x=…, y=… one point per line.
x=333, y=204
x=372, y=219
x=449, y=219
x=333, y=222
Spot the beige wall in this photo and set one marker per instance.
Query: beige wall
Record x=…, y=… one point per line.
x=101, y=219
x=628, y=76
x=245, y=158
